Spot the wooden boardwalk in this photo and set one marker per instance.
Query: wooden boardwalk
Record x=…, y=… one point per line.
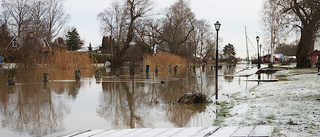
x=258, y=131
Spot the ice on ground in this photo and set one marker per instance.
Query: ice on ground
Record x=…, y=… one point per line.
x=246, y=72
x=292, y=106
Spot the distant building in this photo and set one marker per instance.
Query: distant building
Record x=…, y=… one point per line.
x=313, y=56
x=17, y=43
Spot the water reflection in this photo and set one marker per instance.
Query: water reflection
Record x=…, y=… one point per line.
x=140, y=101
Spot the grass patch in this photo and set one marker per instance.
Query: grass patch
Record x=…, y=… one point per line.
x=271, y=117
x=222, y=112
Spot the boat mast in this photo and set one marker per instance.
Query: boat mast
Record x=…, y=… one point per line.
x=245, y=29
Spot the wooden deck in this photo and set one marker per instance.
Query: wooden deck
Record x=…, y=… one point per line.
x=258, y=131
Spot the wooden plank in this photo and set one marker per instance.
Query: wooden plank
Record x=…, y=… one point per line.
x=171, y=132
x=154, y=132
x=224, y=132
x=77, y=133
x=106, y=133
x=91, y=133
x=243, y=132
x=137, y=133
x=206, y=131
x=189, y=131
x=262, y=131
x=120, y=133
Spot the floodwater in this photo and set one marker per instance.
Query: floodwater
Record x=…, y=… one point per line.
x=36, y=108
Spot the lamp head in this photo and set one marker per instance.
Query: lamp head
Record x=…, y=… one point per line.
x=217, y=26
x=257, y=38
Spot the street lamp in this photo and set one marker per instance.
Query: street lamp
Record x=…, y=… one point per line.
x=261, y=55
x=257, y=38
x=217, y=26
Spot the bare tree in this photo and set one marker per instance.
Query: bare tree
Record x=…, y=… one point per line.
x=38, y=13
x=122, y=17
x=201, y=38
x=113, y=22
x=56, y=18
x=178, y=25
x=275, y=25
x=19, y=17
x=305, y=15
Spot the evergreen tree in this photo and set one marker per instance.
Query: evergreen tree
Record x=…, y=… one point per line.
x=73, y=40
x=90, y=47
x=229, y=51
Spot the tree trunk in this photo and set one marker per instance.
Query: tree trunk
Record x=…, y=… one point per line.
x=304, y=47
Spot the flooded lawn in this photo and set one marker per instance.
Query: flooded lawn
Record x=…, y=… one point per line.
x=36, y=108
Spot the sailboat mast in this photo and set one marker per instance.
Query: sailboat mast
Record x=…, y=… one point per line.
x=245, y=29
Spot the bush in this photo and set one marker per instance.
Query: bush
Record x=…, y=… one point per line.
x=100, y=58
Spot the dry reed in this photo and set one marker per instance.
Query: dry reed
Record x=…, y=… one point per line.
x=69, y=60
x=163, y=60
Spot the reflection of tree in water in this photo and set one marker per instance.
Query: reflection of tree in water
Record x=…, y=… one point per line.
x=32, y=108
x=118, y=104
x=136, y=105
x=74, y=89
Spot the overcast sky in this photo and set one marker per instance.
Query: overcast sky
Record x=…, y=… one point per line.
x=232, y=14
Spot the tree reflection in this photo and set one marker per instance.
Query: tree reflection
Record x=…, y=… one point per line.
x=141, y=104
x=33, y=107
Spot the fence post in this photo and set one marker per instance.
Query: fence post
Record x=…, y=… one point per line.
x=98, y=74
x=147, y=69
x=11, y=80
x=175, y=69
x=77, y=74
x=118, y=72
x=45, y=77
x=156, y=70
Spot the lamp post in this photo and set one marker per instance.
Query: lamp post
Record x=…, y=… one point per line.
x=217, y=26
x=261, y=55
x=257, y=38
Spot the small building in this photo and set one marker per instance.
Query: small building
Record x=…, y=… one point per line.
x=313, y=56
x=17, y=43
x=267, y=58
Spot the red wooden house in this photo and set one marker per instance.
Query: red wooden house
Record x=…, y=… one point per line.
x=313, y=56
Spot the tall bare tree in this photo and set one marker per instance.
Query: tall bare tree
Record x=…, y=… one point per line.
x=38, y=17
x=305, y=15
x=275, y=25
x=45, y=18
x=201, y=38
x=56, y=18
x=176, y=28
x=122, y=17
x=19, y=15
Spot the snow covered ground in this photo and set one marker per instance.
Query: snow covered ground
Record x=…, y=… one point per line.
x=291, y=105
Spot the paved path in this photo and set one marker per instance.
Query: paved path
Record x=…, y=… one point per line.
x=258, y=131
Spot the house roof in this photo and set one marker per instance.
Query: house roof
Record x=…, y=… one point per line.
x=42, y=41
x=18, y=40
x=314, y=53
